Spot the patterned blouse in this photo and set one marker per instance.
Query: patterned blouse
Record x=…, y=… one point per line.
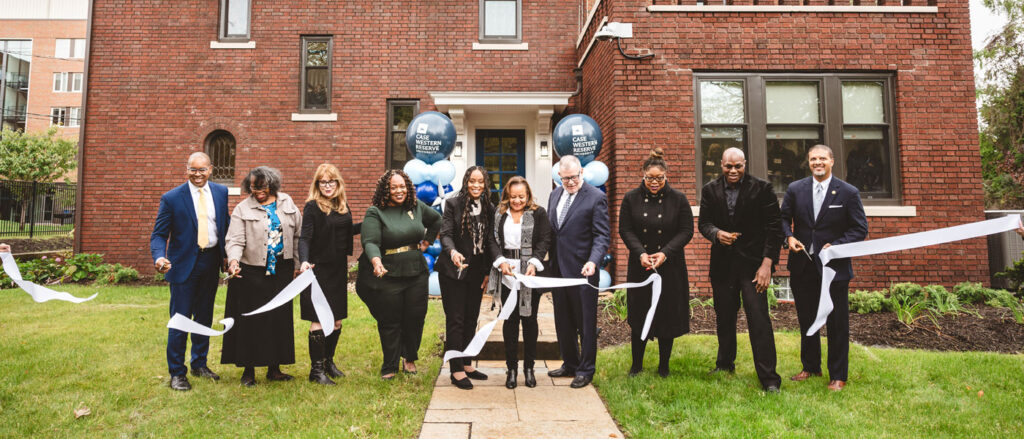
x=275, y=239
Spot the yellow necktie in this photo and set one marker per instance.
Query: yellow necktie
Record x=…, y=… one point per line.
x=202, y=226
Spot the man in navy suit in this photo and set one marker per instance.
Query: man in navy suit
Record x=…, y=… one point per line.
x=187, y=245
x=818, y=212
x=579, y=219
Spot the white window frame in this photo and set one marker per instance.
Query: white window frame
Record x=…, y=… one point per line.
x=76, y=79
x=59, y=81
x=58, y=116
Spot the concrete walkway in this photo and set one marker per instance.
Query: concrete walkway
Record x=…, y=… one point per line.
x=550, y=410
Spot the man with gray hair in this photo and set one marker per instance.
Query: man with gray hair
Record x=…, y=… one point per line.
x=187, y=245
x=579, y=218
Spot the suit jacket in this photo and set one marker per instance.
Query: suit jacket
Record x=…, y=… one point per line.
x=585, y=233
x=322, y=241
x=540, y=241
x=175, y=235
x=756, y=216
x=452, y=238
x=841, y=220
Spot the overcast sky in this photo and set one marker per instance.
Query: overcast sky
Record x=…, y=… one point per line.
x=983, y=24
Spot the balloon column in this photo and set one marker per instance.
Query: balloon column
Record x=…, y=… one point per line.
x=605, y=279
x=431, y=138
x=579, y=135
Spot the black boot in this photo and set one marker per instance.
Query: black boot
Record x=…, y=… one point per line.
x=664, y=355
x=638, y=346
x=316, y=359
x=529, y=377
x=510, y=378
x=331, y=343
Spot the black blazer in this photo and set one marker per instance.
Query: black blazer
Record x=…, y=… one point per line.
x=453, y=238
x=841, y=220
x=317, y=242
x=541, y=240
x=756, y=217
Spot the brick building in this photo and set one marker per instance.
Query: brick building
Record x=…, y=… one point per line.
x=292, y=84
x=42, y=51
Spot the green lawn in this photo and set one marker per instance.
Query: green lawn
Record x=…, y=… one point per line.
x=9, y=230
x=891, y=393
x=109, y=355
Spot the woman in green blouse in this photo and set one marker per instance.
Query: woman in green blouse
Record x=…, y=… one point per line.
x=393, y=274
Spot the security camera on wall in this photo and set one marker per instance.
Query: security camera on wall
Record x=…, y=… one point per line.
x=615, y=30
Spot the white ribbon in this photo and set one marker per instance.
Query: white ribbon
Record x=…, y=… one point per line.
x=306, y=279
x=186, y=324
x=534, y=282
x=39, y=293
x=897, y=243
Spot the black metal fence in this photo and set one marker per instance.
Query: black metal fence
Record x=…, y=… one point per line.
x=29, y=209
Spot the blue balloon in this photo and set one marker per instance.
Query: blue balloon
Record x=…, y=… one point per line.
x=443, y=171
x=434, y=284
x=595, y=173
x=554, y=175
x=418, y=171
x=435, y=248
x=578, y=135
x=448, y=189
x=606, y=279
x=426, y=192
x=430, y=136
x=605, y=260
x=437, y=209
x=603, y=188
x=430, y=261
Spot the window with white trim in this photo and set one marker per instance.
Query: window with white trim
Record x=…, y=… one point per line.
x=67, y=82
x=73, y=48
x=65, y=116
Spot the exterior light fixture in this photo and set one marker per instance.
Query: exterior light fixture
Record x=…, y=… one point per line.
x=544, y=150
x=617, y=31
x=458, y=149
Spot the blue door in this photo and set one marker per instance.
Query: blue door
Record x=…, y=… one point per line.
x=503, y=154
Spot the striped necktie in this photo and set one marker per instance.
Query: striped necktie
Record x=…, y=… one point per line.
x=565, y=211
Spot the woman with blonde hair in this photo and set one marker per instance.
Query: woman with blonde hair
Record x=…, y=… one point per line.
x=325, y=245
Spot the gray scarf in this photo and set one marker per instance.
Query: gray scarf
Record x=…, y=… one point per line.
x=525, y=254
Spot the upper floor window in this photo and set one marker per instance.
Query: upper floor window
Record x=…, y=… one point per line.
x=220, y=146
x=400, y=114
x=69, y=48
x=315, y=95
x=65, y=81
x=65, y=116
x=235, y=16
x=501, y=21
x=776, y=118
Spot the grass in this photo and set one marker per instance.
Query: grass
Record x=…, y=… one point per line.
x=892, y=393
x=10, y=230
x=109, y=355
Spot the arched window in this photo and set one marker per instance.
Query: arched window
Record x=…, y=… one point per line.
x=220, y=146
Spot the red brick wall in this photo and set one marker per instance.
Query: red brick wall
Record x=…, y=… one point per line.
x=156, y=89
x=929, y=56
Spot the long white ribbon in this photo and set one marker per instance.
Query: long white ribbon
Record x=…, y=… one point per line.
x=897, y=243
x=306, y=279
x=534, y=282
x=39, y=293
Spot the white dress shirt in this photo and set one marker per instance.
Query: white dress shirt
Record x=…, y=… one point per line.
x=513, y=234
x=211, y=212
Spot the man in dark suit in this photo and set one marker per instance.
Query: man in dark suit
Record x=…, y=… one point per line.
x=739, y=214
x=187, y=245
x=579, y=219
x=817, y=212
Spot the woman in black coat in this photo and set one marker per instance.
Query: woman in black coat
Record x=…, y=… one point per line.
x=325, y=245
x=656, y=223
x=523, y=233
x=463, y=266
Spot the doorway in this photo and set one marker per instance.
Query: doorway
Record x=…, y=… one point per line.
x=503, y=154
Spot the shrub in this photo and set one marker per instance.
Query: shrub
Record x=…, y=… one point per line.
x=115, y=274
x=1015, y=276
x=864, y=302
x=615, y=304
x=1006, y=299
x=910, y=309
x=78, y=268
x=773, y=299
x=939, y=300
x=906, y=292
x=970, y=292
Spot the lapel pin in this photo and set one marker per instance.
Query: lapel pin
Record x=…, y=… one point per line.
x=833, y=192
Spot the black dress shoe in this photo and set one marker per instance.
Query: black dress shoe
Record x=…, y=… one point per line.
x=204, y=372
x=529, y=378
x=510, y=378
x=774, y=388
x=248, y=380
x=581, y=381
x=278, y=376
x=561, y=372
x=477, y=375
x=464, y=384
x=635, y=371
x=719, y=370
x=180, y=383
x=663, y=372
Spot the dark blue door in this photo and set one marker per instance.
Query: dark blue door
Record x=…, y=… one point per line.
x=503, y=154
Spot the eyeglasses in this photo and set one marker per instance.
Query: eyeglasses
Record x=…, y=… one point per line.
x=198, y=170
x=262, y=190
x=737, y=166
x=657, y=179
x=571, y=178
x=328, y=183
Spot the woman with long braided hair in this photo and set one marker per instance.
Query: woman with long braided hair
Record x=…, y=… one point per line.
x=393, y=274
x=463, y=266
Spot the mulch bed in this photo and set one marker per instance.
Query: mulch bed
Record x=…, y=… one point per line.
x=56, y=244
x=994, y=331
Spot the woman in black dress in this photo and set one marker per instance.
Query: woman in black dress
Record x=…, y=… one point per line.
x=523, y=233
x=463, y=266
x=262, y=244
x=656, y=223
x=326, y=243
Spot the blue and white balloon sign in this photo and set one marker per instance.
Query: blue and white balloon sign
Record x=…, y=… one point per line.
x=430, y=137
x=578, y=135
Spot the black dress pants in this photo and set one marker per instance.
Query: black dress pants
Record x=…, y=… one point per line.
x=461, y=301
x=399, y=304
x=807, y=294
x=576, y=327
x=727, y=292
x=510, y=332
